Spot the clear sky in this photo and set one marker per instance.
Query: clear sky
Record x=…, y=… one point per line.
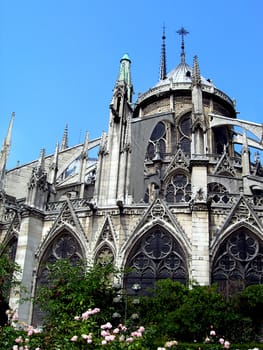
x=59, y=60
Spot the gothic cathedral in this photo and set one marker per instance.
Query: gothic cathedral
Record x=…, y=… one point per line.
x=169, y=195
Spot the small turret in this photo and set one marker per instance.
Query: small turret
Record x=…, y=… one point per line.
x=125, y=75
x=196, y=88
x=38, y=185
x=199, y=127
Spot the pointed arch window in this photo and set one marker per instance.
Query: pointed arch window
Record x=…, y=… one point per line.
x=184, y=130
x=104, y=255
x=64, y=246
x=238, y=262
x=11, y=248
x=157, y=255
x=178, y=189
x=157, y=143
x=220, y=139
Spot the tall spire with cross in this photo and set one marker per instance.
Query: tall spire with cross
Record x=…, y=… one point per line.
x=182, y=31
x=163, y=58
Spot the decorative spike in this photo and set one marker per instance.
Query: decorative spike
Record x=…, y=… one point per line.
x=9, y=132
x=86, y=142
x=55, y=157
x=182, y=31
x=4, y=153
x=163, y=57
x=64, y=143
x=41, y=160
x=196, y=77
x=53, y=168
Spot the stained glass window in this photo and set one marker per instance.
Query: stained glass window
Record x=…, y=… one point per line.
x=64, y=246
x=238, y=262
x=157, y=255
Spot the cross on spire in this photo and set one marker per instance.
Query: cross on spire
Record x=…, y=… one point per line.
x=163, y=57
x=182, y=31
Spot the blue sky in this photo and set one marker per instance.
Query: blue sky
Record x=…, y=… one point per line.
x=59, y=60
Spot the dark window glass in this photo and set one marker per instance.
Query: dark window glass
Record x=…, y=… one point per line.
x=155, y=256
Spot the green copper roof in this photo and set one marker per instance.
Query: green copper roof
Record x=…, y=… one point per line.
x=125, y=57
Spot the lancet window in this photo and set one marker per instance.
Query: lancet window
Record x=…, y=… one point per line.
x=157, y=255
x=238, y=262
x=184, y=131
x=220, y=139
x=11, y=249
x=64, y=246
x=157, y=143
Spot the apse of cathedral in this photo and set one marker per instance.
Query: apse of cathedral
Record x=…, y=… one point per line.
x=175, y=191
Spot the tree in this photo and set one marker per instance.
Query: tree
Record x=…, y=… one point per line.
x=8, y=279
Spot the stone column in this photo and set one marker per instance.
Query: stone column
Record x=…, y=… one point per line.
x=200, y=224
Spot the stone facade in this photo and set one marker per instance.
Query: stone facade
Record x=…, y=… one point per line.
x=168, y=195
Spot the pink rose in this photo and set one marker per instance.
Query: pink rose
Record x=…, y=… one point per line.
x=226, y=345
x=221, y=341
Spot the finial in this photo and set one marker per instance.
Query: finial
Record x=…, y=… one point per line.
x=182, y=31
x=196, y=77
x=41, y=160
x=163, y=57
x=64, y=143
x=4, y=152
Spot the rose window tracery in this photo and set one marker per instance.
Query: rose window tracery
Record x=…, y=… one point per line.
x=157, y=255
x=178, y=189
x=238, y=262
x=104, y=255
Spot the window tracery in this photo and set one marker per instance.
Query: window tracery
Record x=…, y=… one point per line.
x=157, y=255
x=11, y=249
x=218, y=193
x=239, y=262
x=64, y=246
x=178, y=189
x=104, y=255
x=184, y=129
x=157, y=142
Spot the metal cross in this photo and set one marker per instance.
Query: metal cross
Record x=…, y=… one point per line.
x=182, y=31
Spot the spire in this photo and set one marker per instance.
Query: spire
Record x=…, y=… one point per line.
x=83, y=165
x=125, y=74
x=163, y=57
x=53, y=167
x=4, y=153
x=37, y=185
x=182, y=31
x=41, y=160
x=64, y=143
x=196, y=77
x=245, y=159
